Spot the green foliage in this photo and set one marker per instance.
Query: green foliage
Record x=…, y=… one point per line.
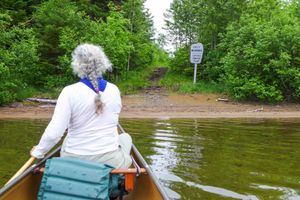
x=18, y=10
x=191, y=21
x=183, y=84
x=201, y=87
x=133, y=81
x=181, y=62
x=141, y=29
x=262, y=59
x=94, y=9
x=38, y=37
x=7, y=86
x=26, y=92
x=18, y=59
x=181, y=22
x=211, y=69
x=250, y=46
x=126, y=46
x=160, y=57
x=111, y=34
x=50, y=19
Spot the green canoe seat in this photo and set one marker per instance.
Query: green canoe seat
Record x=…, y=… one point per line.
x=75, y=179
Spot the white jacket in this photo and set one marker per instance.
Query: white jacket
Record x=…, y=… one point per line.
x=88, y=133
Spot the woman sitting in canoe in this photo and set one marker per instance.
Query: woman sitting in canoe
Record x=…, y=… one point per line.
x=90, y=111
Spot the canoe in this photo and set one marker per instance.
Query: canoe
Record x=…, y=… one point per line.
x=26, y=185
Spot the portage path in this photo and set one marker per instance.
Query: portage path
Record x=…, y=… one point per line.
x=156, y=102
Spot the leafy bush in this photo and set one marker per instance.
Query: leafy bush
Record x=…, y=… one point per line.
x=183, y=84
x=51, y=19
x=40, y=56
x=18, y=59
x=133, y=81
x=111, y=34
x=181, y=62
x=67, y=28
x=160, y=57
x=262, y=57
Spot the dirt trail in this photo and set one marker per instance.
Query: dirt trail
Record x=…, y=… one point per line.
x=154, y=88
x=156, y=102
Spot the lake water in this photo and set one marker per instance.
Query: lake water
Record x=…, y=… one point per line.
x=195, y=158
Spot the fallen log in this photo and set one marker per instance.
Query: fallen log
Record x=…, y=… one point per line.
x=222, y=99
x=50, y=101
x=258, y=110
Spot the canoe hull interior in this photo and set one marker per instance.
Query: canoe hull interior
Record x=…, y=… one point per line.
x=27, y=188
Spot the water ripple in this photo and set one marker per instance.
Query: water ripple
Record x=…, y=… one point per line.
x=222, y=192
x=196, y=158
x=289, y=194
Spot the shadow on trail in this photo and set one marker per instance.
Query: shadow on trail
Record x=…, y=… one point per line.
x=157, y=74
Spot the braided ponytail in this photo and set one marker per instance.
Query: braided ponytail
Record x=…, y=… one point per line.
x=98, y=103
x=89, y=61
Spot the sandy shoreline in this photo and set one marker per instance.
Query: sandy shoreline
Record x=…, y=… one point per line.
x=161, y=105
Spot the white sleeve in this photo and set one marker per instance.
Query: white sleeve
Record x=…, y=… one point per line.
x=57, y=126
x=118, y=101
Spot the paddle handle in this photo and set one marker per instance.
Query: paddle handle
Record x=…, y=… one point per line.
x=22, y=169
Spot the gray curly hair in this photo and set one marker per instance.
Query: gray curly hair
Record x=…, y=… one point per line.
x=89, y=61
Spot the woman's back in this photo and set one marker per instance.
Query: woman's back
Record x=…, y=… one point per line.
x=89, y=110
x=88, y=132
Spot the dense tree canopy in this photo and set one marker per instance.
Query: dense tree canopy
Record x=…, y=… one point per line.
x=39, y=36
x=250, y=46
x=18, y=58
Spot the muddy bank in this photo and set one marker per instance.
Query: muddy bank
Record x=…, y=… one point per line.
x=156, y=105
x=159, y=104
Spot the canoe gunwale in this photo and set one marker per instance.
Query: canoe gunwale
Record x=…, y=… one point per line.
x=56, y=151
x=28, y=171
x=148, y=169
x=150, y=173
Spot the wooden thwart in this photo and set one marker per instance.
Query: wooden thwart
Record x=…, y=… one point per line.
x=129, y=174
x=127, y=171
x=116, y=171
